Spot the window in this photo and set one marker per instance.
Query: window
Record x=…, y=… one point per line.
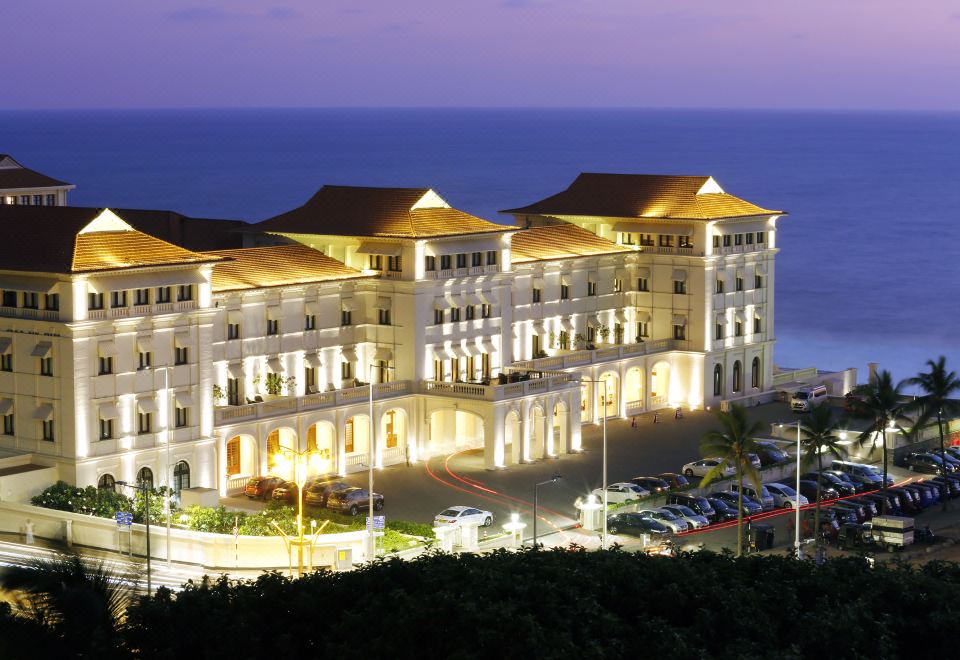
x=485, y=365
x=535, y=345
x=760, y=236
x=646, y=240
x=346, y=317
x=485, y=311
x=719, y=331
x=444, y=262
x=591, y=334
x=348, y=436
x=163, y=294
x=8, y=424
x=757, y=325
x=476, y=259
x=750, y=238
x=46, y=366
x=665, y=240
x=617, y=333
x=716, y=241
x=643, y=284
x=107, y=482
x=233, y=331
x=310, y=322
x=438, y=316
x=95, y=301
x=438, y=369
x=719, y=286
x=737, y=376
x=462, y=260
x=679, y=286
x=643, y=329
x=233, y=456
x=141, y=296
x=185, y=292
x=51, y=200
x=717, y=380
x=310, y=379
x=758, y=281
x=25, y=200
x=145, y=478
x=394, y=264
x=564, y=292
x=617, y=285
x=51, y=301
x=47, y=429
x=6, y=362
x=273, y=326
x=755, y=373
x=181, y=355
x=626, y=238
x=679, y=332
x=144, y=360
x=375, y=262
x=106, y=429
x=31, y=300
x=233, y=391
x=346, y=370
x=105, y=366
x=182, y=417
x=738, y=328
x=383, y=316
x=563, y=342
x=9, y=298
x=684, y=242
x=181, y=476
x=537, y=294
x=739, y=282
x=454, y=313
x=471, y=312
x=726, y=240
x=144, y=422
x=38, y=200
x=118, y=299
x=491, y=257
x=591, y=288
x=738, y=239
x=429, y=262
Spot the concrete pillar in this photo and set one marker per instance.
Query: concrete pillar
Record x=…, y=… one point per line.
x=469, y=536
x=341, y=447
x=525, y=435
x=492, y=439
x=548, y=440
x=446, y=536
x=849, y=379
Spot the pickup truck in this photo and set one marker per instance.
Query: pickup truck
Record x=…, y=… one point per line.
x=890, y=532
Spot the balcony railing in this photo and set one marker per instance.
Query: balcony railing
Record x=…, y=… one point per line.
x=31, y=313
x=296, y=404
x=610, y=354
x=499, y=392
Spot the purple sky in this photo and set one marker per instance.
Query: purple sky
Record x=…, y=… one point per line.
x=693, y=53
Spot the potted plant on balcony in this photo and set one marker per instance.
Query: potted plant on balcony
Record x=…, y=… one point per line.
x=603, y=331
x=218, y=395
x=579, y=341
x=274, y=384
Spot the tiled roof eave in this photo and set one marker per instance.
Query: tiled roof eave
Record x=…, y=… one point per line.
x=526, y=260
x=331, y=280
x=183, y=264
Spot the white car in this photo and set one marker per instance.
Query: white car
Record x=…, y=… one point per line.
x=688, y=515
x=704, y=465
x=667, y=518
x=785, y=497
x=457, y=515
x=621, y=492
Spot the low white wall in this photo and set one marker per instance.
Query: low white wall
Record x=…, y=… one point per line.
x=211, y=551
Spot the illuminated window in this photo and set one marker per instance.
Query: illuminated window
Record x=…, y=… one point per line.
x=643, y=284
x=233, y=456
x=679, y=332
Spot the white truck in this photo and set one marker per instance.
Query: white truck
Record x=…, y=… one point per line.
x=890, y=532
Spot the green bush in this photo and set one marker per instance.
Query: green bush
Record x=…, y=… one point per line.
x=422, y=530
x=100, y=502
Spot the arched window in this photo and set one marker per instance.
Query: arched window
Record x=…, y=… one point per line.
x=737, y=376
x=181, y=476
x=233, y=456
x=755, y=373
x=717, y=380
x=107, y=482
x=145, y=478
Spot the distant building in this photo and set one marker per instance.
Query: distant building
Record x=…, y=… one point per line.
x=23, y=186
x=124, y=356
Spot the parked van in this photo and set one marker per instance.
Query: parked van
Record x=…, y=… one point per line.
x=764, y=498
x=805, y=399
x=861, y=473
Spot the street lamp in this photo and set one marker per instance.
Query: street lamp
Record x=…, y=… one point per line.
x=300, y=478
x=603, y=536
x=796, y=501
x=146, y=491
x=371, y=444
x=552, y=480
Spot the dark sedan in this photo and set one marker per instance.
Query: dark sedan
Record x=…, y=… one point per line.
x=652, y=484
x=831, y=481
x=635, y=524
x=750, y=507
x=927, y=463
x=316, y=494
x=353, y=500
x=846, y=478
x=286, y=492
x=724, y=510
x=261, y=487
x=809, y=490
x=676, y=481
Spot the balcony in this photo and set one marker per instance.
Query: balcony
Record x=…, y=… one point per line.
x=30, y=313
x=684, y=250
x=293, y=405
x=551, y=382
x=570, y=359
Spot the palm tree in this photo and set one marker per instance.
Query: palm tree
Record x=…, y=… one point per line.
x=819, y=437
x=882, y=404
x=732, y=445
x=938, y=385
x=82, y=603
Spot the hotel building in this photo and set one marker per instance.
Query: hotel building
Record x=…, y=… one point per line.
x=126, y=356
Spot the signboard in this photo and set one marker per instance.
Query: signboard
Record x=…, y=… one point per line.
x=124, y=519
x=379, y=522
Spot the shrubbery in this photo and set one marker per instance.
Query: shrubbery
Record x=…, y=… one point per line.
x=100, y=502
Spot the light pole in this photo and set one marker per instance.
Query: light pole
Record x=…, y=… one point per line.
x=146, y=492
x=603, y=536
x=166, y=393
x=796, y=501
x=300, y=478
x=372, y=443
x=552, y=480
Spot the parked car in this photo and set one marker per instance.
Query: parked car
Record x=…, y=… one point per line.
x=688, y=515
x=908, y=505
x=770, y=453
x=286, y=492
x=857, y=510
x=723, y=509
x=869, y=506
x=671, y=520
x=892, y=502
x=808, y=489
x=635, y=524
x=316, y=494
x=842, y=486
x=948, y=457
x=926, y=463
x=952, y=484
x=457, y=515
x=861, y=472
x=352, y=500
x=261, y=487
x=857, y=486
x=621, y=492
x=785, y=497
x=704, y=465
x=750, y=507
x=699, y=504
x=755, y=460
x=652, y=484
x=676, y=481
x=763, y=497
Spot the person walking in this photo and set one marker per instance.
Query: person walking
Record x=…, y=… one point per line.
x=679, y=413
x=28, y=531
x=656, y=417
x=633, y=422
x=406, y=451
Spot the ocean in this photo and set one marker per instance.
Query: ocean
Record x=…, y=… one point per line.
x=866, y=271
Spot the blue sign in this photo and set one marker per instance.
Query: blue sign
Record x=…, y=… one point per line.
x=379, y=522
x=124, y=519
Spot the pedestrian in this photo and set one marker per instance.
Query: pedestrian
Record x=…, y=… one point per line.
x=633, y=422
x=406, y=451
x=28, y=531
x=678, y=414
x=656, y=417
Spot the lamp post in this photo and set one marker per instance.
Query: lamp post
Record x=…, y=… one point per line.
x=146, y=492
x=603, y=536
x=166, y=390
x=372, y=444
x=299, y=477
x=552, y=480
x=796, y=501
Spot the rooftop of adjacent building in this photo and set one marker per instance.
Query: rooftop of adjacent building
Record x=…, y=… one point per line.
x=279, y=265
x=562, y=241
x=644, y=196
x=14, y=176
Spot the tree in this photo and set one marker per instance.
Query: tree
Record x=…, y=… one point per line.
x=732, y=445
x=882, y=404
x=819, y=437
x=937, y=385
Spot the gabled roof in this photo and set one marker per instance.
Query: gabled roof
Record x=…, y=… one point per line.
x=198, y=234
x=279, y=265
x=14, y=176
x=378, y=212
x=73, y=239
x=644, y=196
x=562, y=241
